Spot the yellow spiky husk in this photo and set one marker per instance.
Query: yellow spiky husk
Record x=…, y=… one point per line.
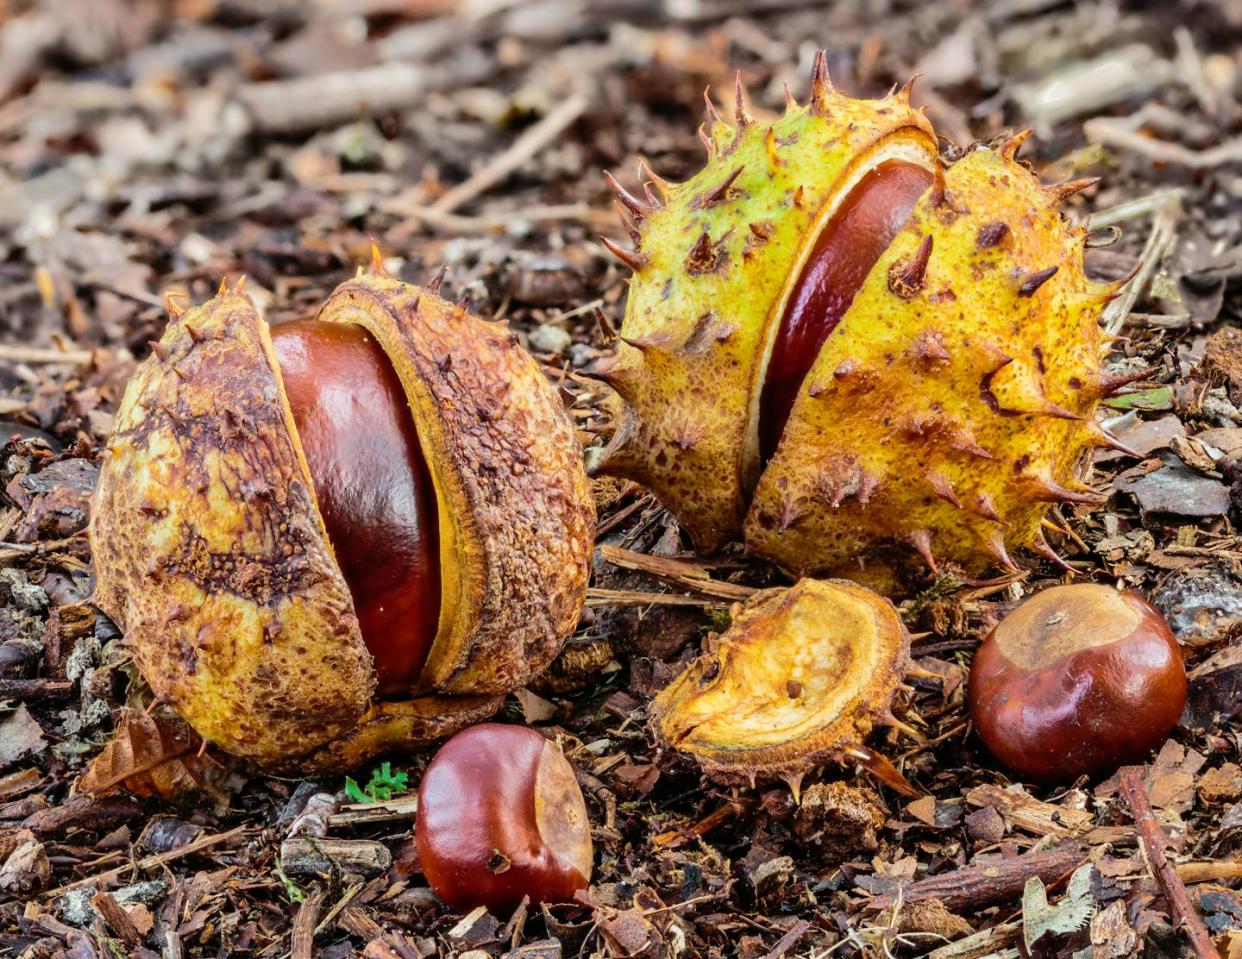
x=946, y=412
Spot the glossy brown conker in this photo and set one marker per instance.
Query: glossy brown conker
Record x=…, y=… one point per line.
x=501, y=816
x=1078, y=680
x=858, y=233
x=372, y=487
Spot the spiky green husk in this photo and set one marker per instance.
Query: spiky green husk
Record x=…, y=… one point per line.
x=950, y=407
x=712, y=261
x=945, y=414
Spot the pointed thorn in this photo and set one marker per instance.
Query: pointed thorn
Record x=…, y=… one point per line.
x=1050, y=408
x=1010, y=146
x=920, y=539
x=905, y=278
x=634, y=261
x=605, y=325
x=645, y=344
x=794, y=782
x=791, y=102
x=739, y=95
x=709, y=109
x=821, y=82
x=943, y=488
x=1103, y=439
x=239, y=288
x=631, y=202
x=983, y=506
x=377, y=261
x=995, y=545
x=631, y=229
x=159, y=349
x=1040, y=545
x=172, y=304
x=1063, y=191
x=648, y=175
x=903, y=92
x=224, y=287
x=433, y=286
x=719, y=193
x=1048, y=490
x=708, y=145
x=1107, y=385
x=1034, y=281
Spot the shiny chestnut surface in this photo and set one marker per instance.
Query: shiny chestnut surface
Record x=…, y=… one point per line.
x=373, y=487
x=1077, y=680
x=855, y=236
x=500, y=816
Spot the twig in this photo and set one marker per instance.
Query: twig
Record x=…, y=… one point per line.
x=487, y=222
x=302, y=938
x=1163, y=234
x=678, y=572
x=33, y=354
x=1154, y=841
x=42, y=690
x=789, y=940
x=329, y=99
x=150, y=862
x=366, y=814
x=1118, y=133
x=522, y=149
x=597, y=596
x=979, y=885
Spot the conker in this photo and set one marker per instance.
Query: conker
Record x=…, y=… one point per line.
x=501, y=816
x=372, y=486
x=1078, y=680
x=859, y=231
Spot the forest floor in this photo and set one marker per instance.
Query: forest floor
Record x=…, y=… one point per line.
x=156, y=145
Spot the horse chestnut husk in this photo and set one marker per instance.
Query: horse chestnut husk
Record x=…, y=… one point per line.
x=342, y=536
x=851, y=355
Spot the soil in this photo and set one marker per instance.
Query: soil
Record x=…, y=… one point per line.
x=149, y=146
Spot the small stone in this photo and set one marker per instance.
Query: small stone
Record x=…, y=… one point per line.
x=1220, y=785
x=1203, y=601
x=772, y=875
x=547, y=338
x=985, y=825
x=26, y=868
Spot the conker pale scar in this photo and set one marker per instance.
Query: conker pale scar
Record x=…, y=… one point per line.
x=373, y=487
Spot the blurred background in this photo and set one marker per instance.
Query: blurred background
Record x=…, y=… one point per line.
x=152, y=144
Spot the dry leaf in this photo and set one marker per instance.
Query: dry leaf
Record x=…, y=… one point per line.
x=156, y=755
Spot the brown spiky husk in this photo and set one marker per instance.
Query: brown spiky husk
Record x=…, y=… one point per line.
x=801, y=676
x=212, y=556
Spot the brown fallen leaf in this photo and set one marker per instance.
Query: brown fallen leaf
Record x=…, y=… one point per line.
x=160, y=756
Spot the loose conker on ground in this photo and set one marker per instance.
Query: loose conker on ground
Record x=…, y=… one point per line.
x=850, y=355
x=353, y=535
x=1078, y=680
x=501, y=816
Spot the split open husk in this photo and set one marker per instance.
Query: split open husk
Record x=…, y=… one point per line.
x=211, y=555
